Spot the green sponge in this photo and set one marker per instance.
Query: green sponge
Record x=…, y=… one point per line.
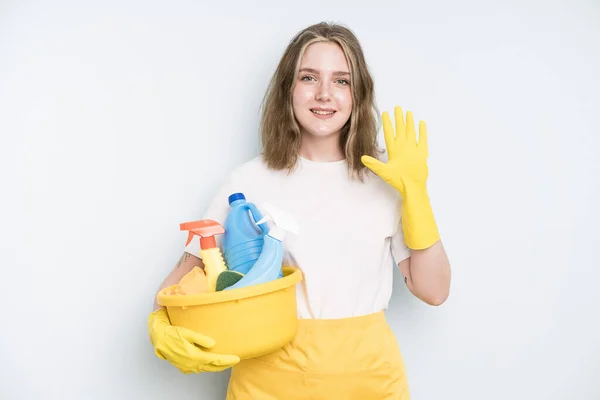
x=228, y=278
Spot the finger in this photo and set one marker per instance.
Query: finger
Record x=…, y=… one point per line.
x=159, y=354
x=423, y=140
x=372, y=163
x=411, y=134
x=400, y=125
x=213, y=368
x=197, y=338
x=378, y=167
x=201, y=367
x=388, y=133
x=221, y=360
x=204, y=358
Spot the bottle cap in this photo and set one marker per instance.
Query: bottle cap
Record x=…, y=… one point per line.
x=236, y=196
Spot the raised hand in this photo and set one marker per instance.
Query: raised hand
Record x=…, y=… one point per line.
x=407, y=157
x=407, y=171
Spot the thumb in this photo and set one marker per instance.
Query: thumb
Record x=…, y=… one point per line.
x=378, y=167
x=197, y=338
x=372, y=163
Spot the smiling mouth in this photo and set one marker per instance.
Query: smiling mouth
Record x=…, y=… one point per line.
x=322, y=112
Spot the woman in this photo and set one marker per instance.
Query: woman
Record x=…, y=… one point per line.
x=358, y=216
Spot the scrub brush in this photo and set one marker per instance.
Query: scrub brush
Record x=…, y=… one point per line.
x=228, y=278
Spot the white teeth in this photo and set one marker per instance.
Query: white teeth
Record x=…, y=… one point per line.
x=322, y=112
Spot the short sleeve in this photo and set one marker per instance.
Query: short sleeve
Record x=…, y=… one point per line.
x=400, y=250
x=217, y=210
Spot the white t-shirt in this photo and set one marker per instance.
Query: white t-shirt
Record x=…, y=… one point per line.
x=350, y=236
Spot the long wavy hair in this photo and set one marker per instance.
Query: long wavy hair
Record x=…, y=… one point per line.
x=279, y=129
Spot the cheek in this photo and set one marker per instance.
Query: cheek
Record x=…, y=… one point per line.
x=302, y=94
x=344, y=100
x=296, y=100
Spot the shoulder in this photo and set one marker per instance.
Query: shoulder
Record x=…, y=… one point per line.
x=251, y=170
x=254, y=164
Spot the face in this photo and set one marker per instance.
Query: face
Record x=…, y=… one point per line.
x=322, y=99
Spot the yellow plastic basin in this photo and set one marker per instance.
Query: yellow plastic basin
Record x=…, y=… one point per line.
x=248, y=321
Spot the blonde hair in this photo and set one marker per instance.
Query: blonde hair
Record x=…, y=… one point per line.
x=279, y=130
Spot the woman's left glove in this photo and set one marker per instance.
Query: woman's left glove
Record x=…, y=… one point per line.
x=406, y=171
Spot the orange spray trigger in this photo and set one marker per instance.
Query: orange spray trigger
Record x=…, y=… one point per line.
x=206, y=229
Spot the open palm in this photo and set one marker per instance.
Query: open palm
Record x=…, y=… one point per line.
x=407, y=158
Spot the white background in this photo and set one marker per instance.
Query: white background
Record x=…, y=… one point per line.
x=118, y=119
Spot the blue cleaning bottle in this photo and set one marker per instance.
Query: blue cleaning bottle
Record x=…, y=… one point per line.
x=244, y=237
x=268, y=265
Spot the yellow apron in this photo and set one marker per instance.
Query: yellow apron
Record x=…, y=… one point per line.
x=347, y=359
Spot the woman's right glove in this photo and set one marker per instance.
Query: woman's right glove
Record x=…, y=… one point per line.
x=182, y=347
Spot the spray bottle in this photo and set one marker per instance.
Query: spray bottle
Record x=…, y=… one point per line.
x=268, y=265
x=209, y=251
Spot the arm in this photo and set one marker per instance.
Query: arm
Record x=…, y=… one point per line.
x=427, y=274
x=427, y=271
x=185, y=264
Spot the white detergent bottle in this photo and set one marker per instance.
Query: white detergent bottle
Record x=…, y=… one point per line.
x=268, y=265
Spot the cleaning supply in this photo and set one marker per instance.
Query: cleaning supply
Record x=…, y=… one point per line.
x=407, y=172
x=228, y=278
x=194, y=282
x=209, y=251
x=243, y=239
x=185, y=348
x=268, y=265
x=247, y=322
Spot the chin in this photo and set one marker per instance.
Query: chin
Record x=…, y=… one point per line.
x=320, y=132
x=323, y=129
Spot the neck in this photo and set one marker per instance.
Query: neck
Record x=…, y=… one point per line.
x=321, y=149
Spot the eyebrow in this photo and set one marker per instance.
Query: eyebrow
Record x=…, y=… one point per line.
x=314, y=71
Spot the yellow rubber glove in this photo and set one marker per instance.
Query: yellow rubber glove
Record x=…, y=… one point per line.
x=406, y=171
x=183, y=347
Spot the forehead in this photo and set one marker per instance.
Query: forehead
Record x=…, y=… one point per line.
x=324, y=56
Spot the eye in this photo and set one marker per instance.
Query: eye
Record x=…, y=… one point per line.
x=343, y=81
x=307, y=78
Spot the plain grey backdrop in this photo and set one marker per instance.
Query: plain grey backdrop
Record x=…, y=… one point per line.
x=118, y=119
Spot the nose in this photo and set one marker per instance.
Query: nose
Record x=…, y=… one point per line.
x=323, y=93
